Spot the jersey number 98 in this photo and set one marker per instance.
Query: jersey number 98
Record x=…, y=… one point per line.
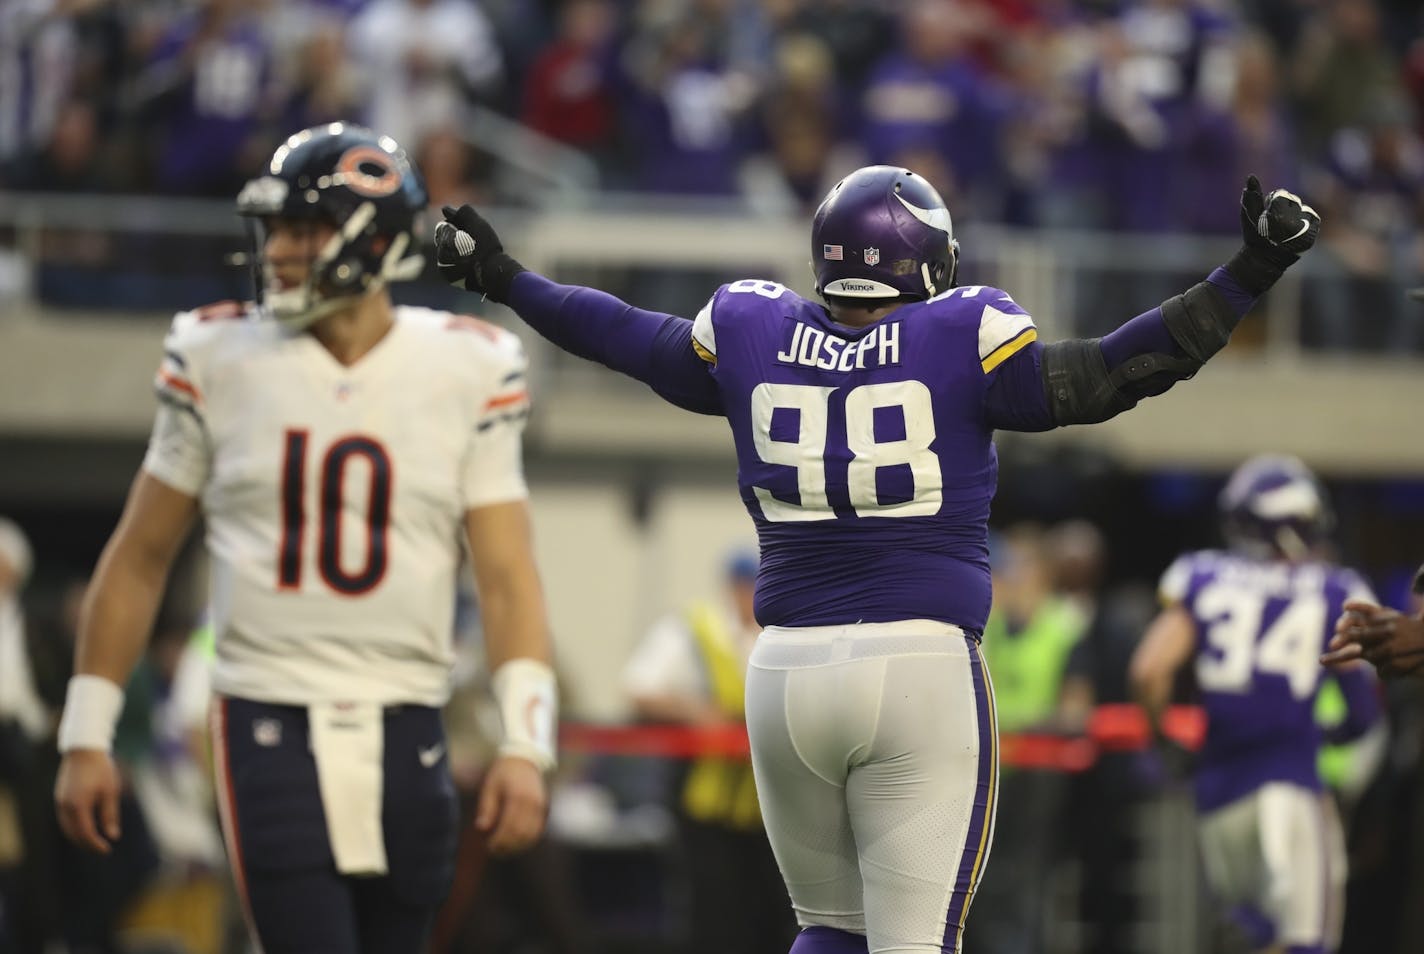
x=910, y=400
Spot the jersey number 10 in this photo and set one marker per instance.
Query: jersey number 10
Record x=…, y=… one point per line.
x=332, y=477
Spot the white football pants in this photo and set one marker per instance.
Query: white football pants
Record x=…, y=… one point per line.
x=876, y=761
x=1281, y=851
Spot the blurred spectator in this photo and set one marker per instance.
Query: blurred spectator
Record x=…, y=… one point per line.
x=683, y=110
x=1031, y=630
x=422, y=61
x=1103, y=802
x=37, y=61
x=1027, y=641
x=928, y=94
x=690, y=669
x=1343, y=62
x=1371, y=199
x=452, y=169
x=857, y=33
x=524, y=902
x=567, y=94
x=1252, y=136
x=187, y=902
x=1163, y=63
x=24, y=719
x=209, y=86
x=324, y=86
x=20, y=703
x=70, y=161
x=799, y=116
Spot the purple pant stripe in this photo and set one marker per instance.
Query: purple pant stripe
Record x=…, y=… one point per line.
x=981, y=817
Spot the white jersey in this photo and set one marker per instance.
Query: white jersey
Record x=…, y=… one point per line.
x=334, y=496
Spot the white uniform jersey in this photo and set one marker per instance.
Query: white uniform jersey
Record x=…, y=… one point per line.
x=334, y=496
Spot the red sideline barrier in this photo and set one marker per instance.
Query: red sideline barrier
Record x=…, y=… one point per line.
x=1110, y=728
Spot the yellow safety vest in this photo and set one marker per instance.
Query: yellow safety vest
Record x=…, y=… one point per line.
x=1027, y=667
x=721, y=790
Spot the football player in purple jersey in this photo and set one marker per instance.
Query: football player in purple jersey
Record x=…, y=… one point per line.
x=1253, y=621
x=863, y=424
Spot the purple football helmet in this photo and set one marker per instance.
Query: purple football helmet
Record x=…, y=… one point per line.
x=883, y=233
x=1273, y=506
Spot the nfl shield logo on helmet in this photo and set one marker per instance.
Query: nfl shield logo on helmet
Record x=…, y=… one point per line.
x=872, y=256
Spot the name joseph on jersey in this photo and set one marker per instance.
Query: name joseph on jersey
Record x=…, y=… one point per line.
x=813, y=348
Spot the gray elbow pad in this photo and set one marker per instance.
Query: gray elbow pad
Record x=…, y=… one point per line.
x=1081, y=389
x=1200, y=321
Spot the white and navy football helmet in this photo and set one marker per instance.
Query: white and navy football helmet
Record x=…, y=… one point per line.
x=359, y=182
x=883, y=234
x=1273, y=506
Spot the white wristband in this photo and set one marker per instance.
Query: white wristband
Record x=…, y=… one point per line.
x=91, y=711
x=528, y=709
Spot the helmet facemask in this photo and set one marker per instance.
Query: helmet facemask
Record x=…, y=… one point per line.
x=351, y=263
x=361, y=184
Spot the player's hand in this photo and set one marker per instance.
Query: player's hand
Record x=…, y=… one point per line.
x=86, y=798
x=1275, y=230
x=469, y=254
x=513, y=804
x=1278, y=224
x=1392, y=642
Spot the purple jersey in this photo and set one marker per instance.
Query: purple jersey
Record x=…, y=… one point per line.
x=864, y=454
x=1261, y=627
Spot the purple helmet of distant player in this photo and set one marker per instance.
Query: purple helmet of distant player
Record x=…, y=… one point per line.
x=883, y=233
x=1273, y=506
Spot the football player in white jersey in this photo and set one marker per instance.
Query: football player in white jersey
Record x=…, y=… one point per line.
x=339, y=448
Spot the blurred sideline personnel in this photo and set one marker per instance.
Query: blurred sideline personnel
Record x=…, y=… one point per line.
x=690, y=669
x=1253, y=620
x=1028, y=638
x=1387, y=639
x=863, y=430
x=337, y=453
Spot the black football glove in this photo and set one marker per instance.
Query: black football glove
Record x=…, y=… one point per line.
x=469, y=255
x=1275, y=229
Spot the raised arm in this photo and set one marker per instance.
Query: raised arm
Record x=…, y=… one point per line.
x=652, y=347
x=1085, y=381
x=114, y=627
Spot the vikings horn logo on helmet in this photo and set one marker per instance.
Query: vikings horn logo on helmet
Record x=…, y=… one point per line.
x=904, y=232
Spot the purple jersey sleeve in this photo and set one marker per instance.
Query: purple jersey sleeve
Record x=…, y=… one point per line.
x=651, y=347
x=1016, y=400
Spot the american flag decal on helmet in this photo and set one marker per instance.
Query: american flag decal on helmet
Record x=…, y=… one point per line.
x=833, y=253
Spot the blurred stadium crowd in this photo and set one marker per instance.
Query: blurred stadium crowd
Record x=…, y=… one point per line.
x=1091, y=113
x=1120, y=115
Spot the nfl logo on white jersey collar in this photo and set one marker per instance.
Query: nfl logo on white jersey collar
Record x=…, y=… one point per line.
x=872, y=256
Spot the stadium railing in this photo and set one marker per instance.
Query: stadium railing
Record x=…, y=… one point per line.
x=71, y=262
